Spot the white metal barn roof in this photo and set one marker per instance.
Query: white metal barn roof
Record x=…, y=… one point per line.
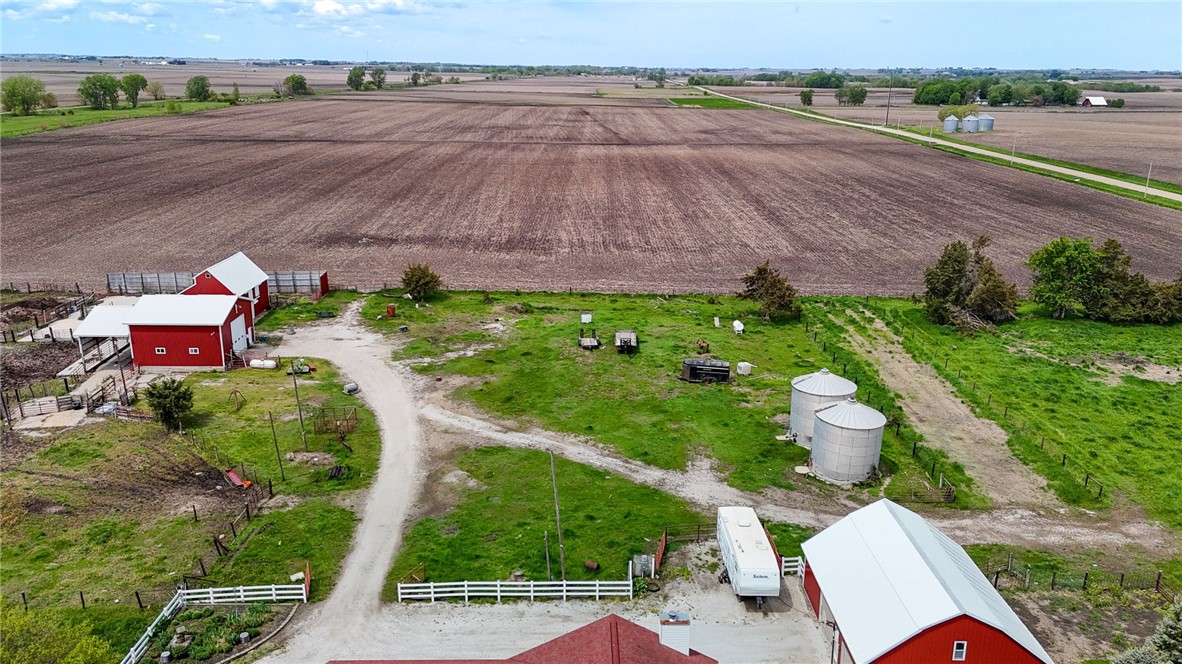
x=824, y=384
x=238, y=273
x=1097, y=101
x=105, y=320
x=850, y=414
x=181, y=310
x=887, y=575
x=753, y=551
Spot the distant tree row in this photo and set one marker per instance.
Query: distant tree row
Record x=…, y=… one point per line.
x=1071, y=277
x=994, y=91
x=850, y=95
x=356, y=79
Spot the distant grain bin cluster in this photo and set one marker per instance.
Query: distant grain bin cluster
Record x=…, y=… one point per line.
x=970, y=124
x=845, y=436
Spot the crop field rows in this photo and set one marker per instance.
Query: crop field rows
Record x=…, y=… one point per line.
x=596, y=198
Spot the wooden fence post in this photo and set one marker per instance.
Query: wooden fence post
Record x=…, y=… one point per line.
x=83, y=598
x=138, y=600
x=1054, y=574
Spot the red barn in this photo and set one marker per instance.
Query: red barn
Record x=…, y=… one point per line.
x=188, y=332
x=236, y=275
x=609, y=640
x=898, y=591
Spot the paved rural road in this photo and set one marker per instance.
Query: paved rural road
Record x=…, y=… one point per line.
x=1135, y=188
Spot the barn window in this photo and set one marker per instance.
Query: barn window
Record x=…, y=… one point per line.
x=194, y=351
x=960, y=650
x=160, y=350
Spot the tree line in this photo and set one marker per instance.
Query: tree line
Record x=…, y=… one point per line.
x=1071, y=277
x=995, y=92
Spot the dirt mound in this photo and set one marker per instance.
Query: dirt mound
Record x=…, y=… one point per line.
x=27, y=363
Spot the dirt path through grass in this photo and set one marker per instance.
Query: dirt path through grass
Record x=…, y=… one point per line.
x=947, y=423
x=701, y=485
x=362, y=356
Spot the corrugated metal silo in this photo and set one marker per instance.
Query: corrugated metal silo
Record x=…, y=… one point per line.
x=950, y=124
x=847, y=441
x=810, y=392
x=970, y=124
x=986, y=122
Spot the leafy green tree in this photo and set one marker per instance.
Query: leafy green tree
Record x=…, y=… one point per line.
x=132, y=85
x=415, y=77
x=235, y=95
x=777, y=298
x=197, y=88
x=964, y=287
x=156, y=89
x=420, y=282
x=378, y=77
x=946, y=283
x=42, y=637
x=1064, y=271
x=23, y=95
x=954, y=98
x=1117, y=103
x=171, y=399
x=855, y=95
x=297, y=85
x=356, y=78
x=99, y=91
x=806, y=97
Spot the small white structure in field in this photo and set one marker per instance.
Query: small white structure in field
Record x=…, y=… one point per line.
x=810, y=392
x=1094, y=102
x=744, y=368
x=585, y=318
x=738, y=326
x=847, y=441
x=750, y=563
x=716, y=323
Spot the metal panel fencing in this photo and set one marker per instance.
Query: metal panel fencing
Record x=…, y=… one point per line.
x=294, y=282
x=531, y=590
x=148, y=283
x=792, y=566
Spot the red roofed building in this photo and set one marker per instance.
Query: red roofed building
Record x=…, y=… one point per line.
x=609, y=640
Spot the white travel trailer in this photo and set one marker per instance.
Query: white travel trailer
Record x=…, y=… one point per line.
x=749, y=562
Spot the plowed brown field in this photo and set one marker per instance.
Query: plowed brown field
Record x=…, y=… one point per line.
x=596, y=198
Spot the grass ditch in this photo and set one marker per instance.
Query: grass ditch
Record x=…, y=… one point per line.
x=1045, y=383
x=13, y=125
x=712, y=102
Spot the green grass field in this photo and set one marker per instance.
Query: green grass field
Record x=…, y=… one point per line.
x=302, y=310
x=1045, y=383
x=711, y=102
x=535, y=373
x=49, y=120
x=498, y=525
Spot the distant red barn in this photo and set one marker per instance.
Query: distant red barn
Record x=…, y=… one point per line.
x=898, y=591
x=236, y=275
x=188, y=331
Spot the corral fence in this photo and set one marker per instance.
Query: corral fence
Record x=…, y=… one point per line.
x=313, y=283
x=230, y=595
x=502, y=590
x=335, y=420
x=792, y=566
x=37, y=326
x=47, y=397
x=1006, y=573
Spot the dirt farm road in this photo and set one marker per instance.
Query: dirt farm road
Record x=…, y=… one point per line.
x=353, y=622
x=1082, y=175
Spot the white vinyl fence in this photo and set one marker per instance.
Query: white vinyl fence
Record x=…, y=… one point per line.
x=234, y=595
x=137, y=651
x=240, y=594
x=792, y=565
x=467, y=590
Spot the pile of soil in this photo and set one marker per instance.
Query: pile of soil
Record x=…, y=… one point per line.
x=24, y=309
x=22, y=364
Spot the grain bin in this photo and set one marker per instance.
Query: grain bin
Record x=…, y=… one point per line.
x=810, y=392
x=986, y=122
x=847, y=441
x=950, y=124
x=971, y=124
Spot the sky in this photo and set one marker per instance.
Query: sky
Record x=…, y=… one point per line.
x=789, y=35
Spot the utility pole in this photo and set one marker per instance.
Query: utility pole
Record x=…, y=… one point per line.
x=890, y=89
x=1014, y=149
x=558, y=519
x=299, y=407
x=276, y=440
x=1147, y=180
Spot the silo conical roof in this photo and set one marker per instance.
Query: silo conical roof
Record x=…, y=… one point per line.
x=824, y=384
x=850, y=414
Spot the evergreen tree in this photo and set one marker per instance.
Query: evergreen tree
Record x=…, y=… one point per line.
x=171, y=400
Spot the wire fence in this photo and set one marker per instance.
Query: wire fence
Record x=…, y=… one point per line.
x=1008, y=573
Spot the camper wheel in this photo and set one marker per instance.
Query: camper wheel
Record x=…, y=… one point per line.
x=725, y=577
x=759, y=602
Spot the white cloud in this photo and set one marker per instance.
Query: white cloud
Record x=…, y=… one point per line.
x=117, y=17
x=55, y=5
x=60, y=19
x=149, y=27
x=212, y=38
x=884, y=19
x=149, y=8
x=350, y=31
